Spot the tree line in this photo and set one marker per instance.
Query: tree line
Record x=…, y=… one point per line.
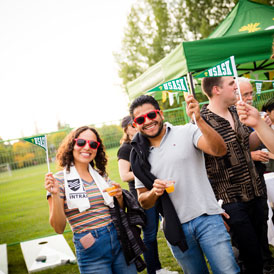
x=155, y=27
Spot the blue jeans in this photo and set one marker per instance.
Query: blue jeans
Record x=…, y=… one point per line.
x=151, y=255
x=206, y=235
x=104, y=256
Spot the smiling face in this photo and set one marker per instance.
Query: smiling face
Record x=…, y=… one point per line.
x=246, y=92
x=85, y=154
x=150, y=128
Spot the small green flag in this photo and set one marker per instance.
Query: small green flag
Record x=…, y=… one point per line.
x=225, y=68
x=258, y=85
x=40, y=141
x=178, y=84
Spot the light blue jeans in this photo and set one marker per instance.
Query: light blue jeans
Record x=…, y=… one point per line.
x=104, y=256
x=206, y=235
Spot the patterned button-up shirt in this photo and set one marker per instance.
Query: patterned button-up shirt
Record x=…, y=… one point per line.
x=233, y=177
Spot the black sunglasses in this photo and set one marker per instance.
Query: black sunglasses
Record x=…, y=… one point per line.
x=82, y=142
x=150, y=115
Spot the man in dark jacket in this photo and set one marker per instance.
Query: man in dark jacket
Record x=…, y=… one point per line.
x=164, y=154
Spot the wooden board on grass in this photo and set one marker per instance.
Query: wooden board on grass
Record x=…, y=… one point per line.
x=53, y=251
x=3, y=259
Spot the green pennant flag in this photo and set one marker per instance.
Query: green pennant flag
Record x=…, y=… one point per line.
x=225, y=68
x=40, y=141
x=258, y=85
x=178, y=84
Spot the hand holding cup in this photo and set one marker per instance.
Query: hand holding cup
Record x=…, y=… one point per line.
x=170, y=185
x=114, y=190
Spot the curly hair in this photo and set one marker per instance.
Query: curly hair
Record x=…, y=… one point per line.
x=65, y=151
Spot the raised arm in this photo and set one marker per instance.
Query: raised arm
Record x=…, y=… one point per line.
x=251, y=117
x=210, y=142
x=57, y=217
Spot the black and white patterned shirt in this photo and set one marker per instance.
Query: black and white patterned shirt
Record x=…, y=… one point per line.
x=233, y=177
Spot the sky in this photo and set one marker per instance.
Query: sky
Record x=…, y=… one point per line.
x=56, y=63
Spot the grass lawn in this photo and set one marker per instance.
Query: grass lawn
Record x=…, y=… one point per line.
x=24, y=216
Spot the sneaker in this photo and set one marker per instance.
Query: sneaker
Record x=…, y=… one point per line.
x=166, y=271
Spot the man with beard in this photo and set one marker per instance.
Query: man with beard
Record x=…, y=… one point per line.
x=233, y=177
x=161, y=153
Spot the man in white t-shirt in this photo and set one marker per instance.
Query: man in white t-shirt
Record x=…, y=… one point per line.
x=193, y=225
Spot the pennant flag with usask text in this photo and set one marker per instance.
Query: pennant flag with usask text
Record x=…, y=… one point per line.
x=40, y=141
x=225, y=68
x=178, y=84
x=258, y=85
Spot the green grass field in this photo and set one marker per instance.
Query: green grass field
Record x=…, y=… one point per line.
x=24, y=216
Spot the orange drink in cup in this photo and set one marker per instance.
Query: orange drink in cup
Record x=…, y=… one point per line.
x=111, y=190
x=170, y=186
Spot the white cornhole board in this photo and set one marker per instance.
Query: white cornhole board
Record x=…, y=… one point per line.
x=55, y=248
x=3, y=259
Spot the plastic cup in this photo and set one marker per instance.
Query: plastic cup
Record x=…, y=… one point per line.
x=170, y=186
x=265, y=150
x=111, y=190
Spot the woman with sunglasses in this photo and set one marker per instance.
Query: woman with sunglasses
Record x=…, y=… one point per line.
x=77, y=194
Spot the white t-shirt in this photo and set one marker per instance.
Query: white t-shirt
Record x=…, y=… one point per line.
x=178, y=158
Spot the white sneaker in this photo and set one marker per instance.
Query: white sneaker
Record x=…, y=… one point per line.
x=166, y=271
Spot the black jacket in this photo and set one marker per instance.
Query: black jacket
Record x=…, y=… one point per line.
x=141, y=168
x=128, y=231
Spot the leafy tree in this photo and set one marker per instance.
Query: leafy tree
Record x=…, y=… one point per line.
x=22, y=155
x=54, y=140
x=27, y=154
x=152, y=32
x=156, y=27
x=111, y=135
x=5, y=150
x=202, y=17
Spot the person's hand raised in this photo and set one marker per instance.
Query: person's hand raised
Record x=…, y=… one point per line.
x=51, y=184
x=192, y=107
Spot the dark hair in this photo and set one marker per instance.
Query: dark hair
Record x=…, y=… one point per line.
x=126, y=122
x=141, y=100
x=65, y=151
x=269, y=105
x=209, y=82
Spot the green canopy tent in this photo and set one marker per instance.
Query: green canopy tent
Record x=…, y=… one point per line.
x=247, y=33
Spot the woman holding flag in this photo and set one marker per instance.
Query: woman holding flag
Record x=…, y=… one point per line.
x=79, y=194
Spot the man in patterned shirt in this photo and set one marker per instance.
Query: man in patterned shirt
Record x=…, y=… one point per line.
x=233, y=177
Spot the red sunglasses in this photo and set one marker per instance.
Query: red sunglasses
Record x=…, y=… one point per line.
x=82, y=142
x=150, y=115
